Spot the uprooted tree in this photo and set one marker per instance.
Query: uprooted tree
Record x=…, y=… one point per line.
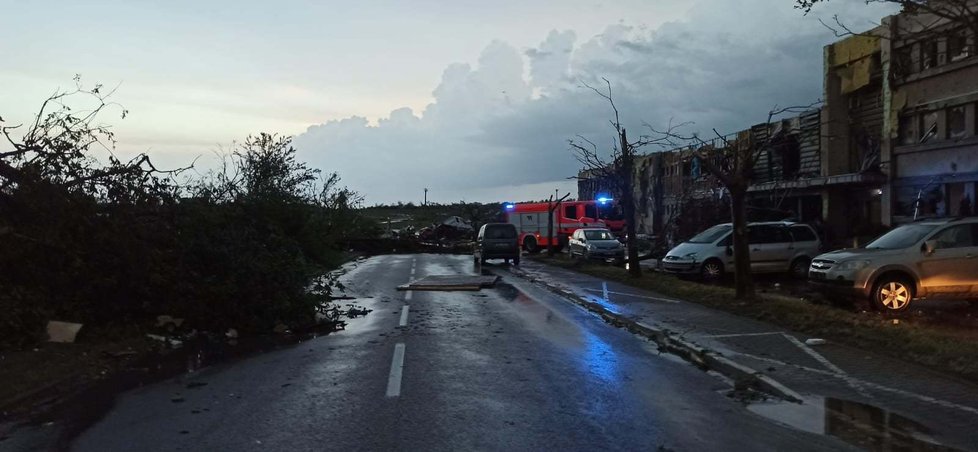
x=112, y=243
x=618, y=167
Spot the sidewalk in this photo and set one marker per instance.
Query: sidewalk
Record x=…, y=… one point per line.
x=875, y=401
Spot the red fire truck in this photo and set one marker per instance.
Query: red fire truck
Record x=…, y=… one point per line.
x=530, y=219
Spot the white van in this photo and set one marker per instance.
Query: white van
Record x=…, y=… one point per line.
x=775, y=247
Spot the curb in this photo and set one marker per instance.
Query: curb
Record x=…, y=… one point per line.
x=669, y=342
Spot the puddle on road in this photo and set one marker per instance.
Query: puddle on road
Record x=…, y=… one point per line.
x=861, y=425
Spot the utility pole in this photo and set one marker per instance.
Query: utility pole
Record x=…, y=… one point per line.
x=426, y=196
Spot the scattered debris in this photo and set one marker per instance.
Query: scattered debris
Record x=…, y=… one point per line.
x=281, y=328
x=122, y=353
x=231, y=333
x=165, y=321
x=815, y=341
x=177, y=399
x=451, y=282
x=195, y=384
x=63, y=332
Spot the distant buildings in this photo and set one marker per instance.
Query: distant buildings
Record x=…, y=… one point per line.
x=897, y=136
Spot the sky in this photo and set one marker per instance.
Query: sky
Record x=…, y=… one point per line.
x=473, y=100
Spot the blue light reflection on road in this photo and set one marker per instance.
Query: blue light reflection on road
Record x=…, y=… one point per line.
x=601, y=360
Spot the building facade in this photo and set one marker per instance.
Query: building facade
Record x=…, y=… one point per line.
x=895, y=139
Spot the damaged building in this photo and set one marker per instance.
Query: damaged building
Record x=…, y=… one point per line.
x=894, y=140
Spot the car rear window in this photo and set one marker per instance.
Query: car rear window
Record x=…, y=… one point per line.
x=500, y=232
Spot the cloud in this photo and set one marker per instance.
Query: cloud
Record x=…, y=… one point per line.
x=505, y=120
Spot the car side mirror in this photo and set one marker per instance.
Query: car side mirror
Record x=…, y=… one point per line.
x=928, y=247
x=729, y=251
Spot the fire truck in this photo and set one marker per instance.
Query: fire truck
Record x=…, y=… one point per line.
x=530, y=219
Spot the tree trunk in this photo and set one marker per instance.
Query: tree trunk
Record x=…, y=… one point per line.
x=743, y=280
x=628, y=205
x=550, y=228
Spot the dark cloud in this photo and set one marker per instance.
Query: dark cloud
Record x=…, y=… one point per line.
x=725, y=66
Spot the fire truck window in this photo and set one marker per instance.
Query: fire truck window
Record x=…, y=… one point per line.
x=570, y=212
x=590, y=211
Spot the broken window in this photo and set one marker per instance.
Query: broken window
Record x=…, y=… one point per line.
x=928, y=127
x=958, y=47
x=907, y=134
x=956, y=125
x=929, y=54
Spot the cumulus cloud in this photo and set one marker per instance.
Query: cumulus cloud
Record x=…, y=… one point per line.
x=505, y=121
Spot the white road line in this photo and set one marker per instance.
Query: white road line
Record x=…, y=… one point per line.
x=605, y=293
x=397, y=367
x=404, y=314
x=744, y=334
x=828, y=365
x=408, y=294
x=913, y=395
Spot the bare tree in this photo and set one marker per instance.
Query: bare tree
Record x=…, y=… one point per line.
x=732, y=161
x=618, y=170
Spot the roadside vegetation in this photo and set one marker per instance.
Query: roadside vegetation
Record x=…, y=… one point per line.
x=88, y=238
x=938, y=346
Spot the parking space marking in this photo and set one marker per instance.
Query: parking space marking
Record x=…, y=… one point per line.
x=852, y=382
x=404, y=315
x=605, y=292
x=397, y=368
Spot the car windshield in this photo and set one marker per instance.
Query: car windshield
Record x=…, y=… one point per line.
x=902, y=237
x=710, y=235
x=598, y=235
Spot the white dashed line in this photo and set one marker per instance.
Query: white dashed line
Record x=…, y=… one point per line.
x=404, y=314
x=397, y=367
x=407, y=295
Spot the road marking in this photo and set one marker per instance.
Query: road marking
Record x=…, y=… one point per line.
x=605, y=293
x=397, y=367
x=913, y=395
x=404, y=314
x=408, y=294
x=828, y=365
x=744, y=334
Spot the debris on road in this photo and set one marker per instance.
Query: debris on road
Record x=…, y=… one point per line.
x=451, y=282
x=815, y=341
x=63, y=332
x=231, y=333
x=164, y=321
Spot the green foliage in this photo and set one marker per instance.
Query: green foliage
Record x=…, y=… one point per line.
x=118, y=244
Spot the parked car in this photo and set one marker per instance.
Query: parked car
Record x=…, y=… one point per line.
x=780, y=246
x=924, y=259
x=497, y=241
x=595, y=243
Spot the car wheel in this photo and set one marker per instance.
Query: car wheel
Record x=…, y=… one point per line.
x=799, y=268
x=530, y=245
x=892, y=294
x=711, y=270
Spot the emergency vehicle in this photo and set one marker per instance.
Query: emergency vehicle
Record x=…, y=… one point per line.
x=530, y=219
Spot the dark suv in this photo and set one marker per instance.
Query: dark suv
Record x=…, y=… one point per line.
x=497, y=241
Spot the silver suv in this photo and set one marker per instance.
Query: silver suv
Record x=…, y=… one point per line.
x=933, y=258
x=776, y=246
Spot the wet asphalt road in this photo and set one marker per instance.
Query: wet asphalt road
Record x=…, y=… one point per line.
x=508, y=368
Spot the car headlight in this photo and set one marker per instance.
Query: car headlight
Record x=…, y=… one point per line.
x=690, y=255
x=852, y=265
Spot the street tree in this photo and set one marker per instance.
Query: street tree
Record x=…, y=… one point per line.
x=618, y=168
x=732, y=161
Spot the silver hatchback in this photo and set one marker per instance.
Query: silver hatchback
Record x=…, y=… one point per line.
x=775, y=247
